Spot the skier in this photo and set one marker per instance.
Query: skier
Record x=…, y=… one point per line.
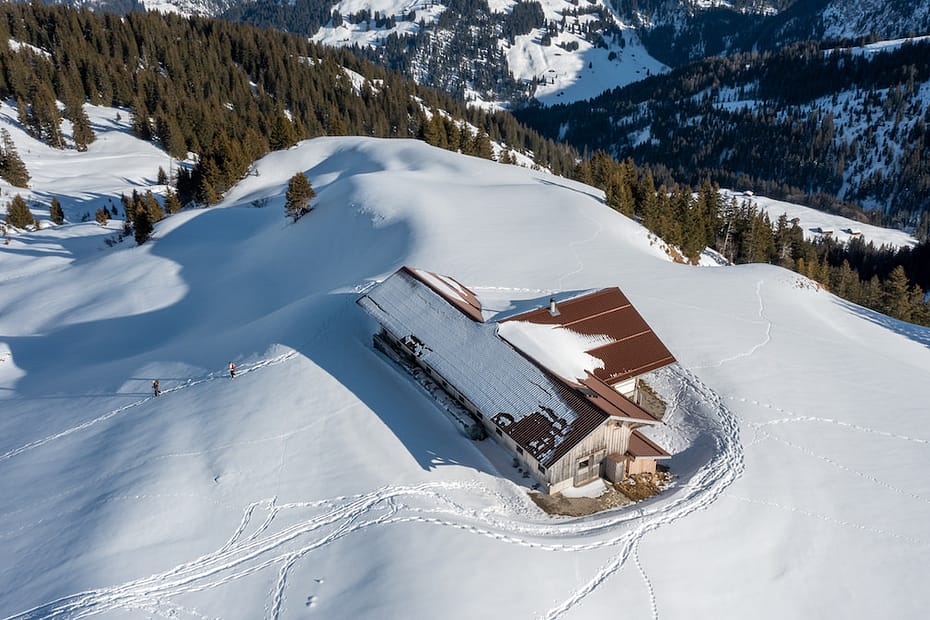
x=155, y=388
x=232, y=370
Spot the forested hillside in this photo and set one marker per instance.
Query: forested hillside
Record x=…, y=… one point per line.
x=226, y=92
x=679, y=31
x=891, y=280
x=848, y=123
x=229, y=93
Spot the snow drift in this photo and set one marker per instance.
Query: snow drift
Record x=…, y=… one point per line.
x=322, y=480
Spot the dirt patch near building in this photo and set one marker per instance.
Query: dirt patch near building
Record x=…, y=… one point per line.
x=641, y=486
x=632, y=489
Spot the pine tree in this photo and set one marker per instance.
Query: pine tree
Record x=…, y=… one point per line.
x=55, y=211
x=82, y=132
x=172, y=204
x=102, y=216
x=298, y=196
x=12, y=168
x=18, y=214
x=283, y=134
x=482, y=145
x=151, y=206
x=208, y=176
x=45, y=117
x=896, y=296
x=142, y=225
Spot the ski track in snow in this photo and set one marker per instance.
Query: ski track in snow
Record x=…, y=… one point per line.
x=826, y=518
x=652, y=593
x=573, y=245
x=257, y=546
x=797, y=418
x=213, y=376
x=841, y=467
x=756, y=347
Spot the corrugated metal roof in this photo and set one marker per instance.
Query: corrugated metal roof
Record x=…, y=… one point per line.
x=540, y=411
x=615, y=403
x=541, y=414
x=641, y=447
x=451, y=290
x=636, y=348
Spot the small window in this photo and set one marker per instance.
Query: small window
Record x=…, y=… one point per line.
x=519, y=450
x=541, y=469
x=498, y=431
x=583, y=463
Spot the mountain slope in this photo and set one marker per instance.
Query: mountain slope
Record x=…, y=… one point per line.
x=849, y=122
x=321, y=479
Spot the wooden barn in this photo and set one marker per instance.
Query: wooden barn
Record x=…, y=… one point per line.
x=559, y=387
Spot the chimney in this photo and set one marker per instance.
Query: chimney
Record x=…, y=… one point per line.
x=553, y=310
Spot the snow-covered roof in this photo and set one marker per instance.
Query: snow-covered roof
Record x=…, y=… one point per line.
x=542, y=414
x=611, y=339
x=563, y=351
x=451, y=290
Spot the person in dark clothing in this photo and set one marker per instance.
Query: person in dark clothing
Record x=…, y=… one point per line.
x=155, y=387
x=232, y=370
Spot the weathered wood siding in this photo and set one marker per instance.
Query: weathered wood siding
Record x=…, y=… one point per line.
x=642, y=466
x=613, y=437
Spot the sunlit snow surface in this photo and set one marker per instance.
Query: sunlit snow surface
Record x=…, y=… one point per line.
x=566, y=74
x=815, y=223
x=321, y=481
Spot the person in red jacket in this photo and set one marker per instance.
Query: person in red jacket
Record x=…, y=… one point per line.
x=232, y=370
x=155, y=388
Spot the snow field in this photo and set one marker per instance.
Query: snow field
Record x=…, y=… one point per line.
x=321, y=481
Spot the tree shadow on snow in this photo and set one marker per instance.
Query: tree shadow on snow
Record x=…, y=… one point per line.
x=917, y=333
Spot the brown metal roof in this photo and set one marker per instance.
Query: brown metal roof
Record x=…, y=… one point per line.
x=538, y=432
x=614, y=403
x=642, y=448
x=542, y=432
x=636, y=348
x=449, y=289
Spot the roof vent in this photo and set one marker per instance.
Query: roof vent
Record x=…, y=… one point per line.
x=553, y=310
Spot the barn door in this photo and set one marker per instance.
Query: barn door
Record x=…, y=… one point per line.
x=588, y=468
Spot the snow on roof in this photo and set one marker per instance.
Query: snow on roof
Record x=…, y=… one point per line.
x=451, y=289
x=562, y=351
x=622, y=341
x=534, y=408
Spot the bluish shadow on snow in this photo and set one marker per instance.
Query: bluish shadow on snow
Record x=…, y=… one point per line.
x=596, y=194
x=252, y=281
x=344, y=350
x=519, y=306
x=917, y=333
x=238, y=266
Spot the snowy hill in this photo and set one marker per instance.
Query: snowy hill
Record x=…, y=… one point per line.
x=591, y=50
x=848, y=122
x=678, y=31
x=323, y=482
x=814, y=222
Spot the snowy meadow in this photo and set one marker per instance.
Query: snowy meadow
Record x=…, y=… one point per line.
x=323, y=482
